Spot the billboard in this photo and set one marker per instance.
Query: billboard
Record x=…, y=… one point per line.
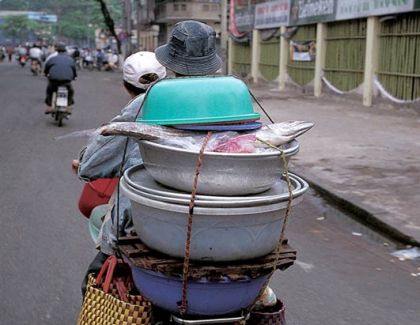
x=311, y=11
x=272, y=14
x=349, y=9
x=40, y=16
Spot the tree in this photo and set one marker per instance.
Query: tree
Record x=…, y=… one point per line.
x=17, y=27
x=109, y=22
x=77, y=19
x=14, y=5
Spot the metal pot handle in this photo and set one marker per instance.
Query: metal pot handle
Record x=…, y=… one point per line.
x=209, y=321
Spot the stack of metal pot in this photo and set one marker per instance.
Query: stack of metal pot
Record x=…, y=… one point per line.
x=238, y=215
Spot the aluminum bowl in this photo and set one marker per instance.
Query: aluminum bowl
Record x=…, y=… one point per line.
x=139, y=178
x=204, y=297
x=241, y=202
x=221, y=173
x=218, y=234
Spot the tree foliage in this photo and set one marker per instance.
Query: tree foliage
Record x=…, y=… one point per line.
x=77, y=19
x=18, y=26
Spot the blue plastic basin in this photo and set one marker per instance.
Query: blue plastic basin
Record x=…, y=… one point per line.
x=204, y=297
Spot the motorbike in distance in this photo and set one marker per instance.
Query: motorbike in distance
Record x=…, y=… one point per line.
x=36, y=67
x=22, y=58
x=60, y=105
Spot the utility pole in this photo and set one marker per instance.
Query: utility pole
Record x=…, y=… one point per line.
x=127, y=26
x=223, y=34
x=138, y=11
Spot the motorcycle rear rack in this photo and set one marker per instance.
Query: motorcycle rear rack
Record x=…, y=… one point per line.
x=180, y=320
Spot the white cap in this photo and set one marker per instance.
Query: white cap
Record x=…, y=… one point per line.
x=140, y=64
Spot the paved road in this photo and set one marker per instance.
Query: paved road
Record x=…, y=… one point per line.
x=45, y=246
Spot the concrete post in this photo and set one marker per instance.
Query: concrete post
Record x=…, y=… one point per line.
x=321, y=44
x=255, y=56
x=371, y=59
x=224, y=34
x=231, y=55
x=284, y=55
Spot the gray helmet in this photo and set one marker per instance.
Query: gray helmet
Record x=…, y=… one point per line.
x=60, y=47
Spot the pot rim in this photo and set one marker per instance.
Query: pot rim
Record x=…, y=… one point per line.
x=270, y=207
x=294, y=149
x=156, y=189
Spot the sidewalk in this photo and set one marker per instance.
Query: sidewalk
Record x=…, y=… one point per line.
x=365, y=159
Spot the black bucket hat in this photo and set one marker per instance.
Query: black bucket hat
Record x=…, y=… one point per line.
x=191, y=50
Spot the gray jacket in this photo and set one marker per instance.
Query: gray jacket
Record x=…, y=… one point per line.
x=60, y=68
x=102, y=158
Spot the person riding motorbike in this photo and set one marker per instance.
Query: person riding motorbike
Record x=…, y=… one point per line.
x=22, y=55
x=60, y=71
x=35, y=54
x=191, y=51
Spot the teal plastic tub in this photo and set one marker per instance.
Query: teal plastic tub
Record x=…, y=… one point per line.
x=198, y=100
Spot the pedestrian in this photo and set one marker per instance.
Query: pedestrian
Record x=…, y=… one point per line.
x=191, y=51
x=100, y=59
x=10, y=51
x=2, y=53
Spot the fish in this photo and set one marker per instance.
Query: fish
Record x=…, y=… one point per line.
x=141, y=131
x=272, y=134
x=240, y=144
x=284, y=132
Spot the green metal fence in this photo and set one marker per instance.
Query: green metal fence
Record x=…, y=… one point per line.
x=269, y=58
x=345, y=53
x=241, y=59
x=399, y=56
x=302, y=72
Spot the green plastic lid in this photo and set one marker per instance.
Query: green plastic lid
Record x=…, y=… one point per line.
x=197, y=100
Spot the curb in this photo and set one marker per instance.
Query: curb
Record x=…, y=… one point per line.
x=361, y=214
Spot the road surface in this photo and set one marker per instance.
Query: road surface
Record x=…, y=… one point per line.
x=344, y=274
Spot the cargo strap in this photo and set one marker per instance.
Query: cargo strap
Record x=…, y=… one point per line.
x=286, y=218
x=184, y=303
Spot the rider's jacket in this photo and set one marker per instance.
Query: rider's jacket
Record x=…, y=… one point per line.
x=35, y=53
x=61, y=68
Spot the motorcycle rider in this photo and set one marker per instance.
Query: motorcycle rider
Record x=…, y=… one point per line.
x=22, y=52
x=35, y=54
x=191, y=51
x=60, y=71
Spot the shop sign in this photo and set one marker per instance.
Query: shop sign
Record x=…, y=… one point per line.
x=272, y=14
x=244, y=19
x=39, y=16
x=349, y=9
x=311, y=11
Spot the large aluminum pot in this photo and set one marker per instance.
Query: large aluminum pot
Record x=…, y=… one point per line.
x=221, y=173
x=218, y=234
